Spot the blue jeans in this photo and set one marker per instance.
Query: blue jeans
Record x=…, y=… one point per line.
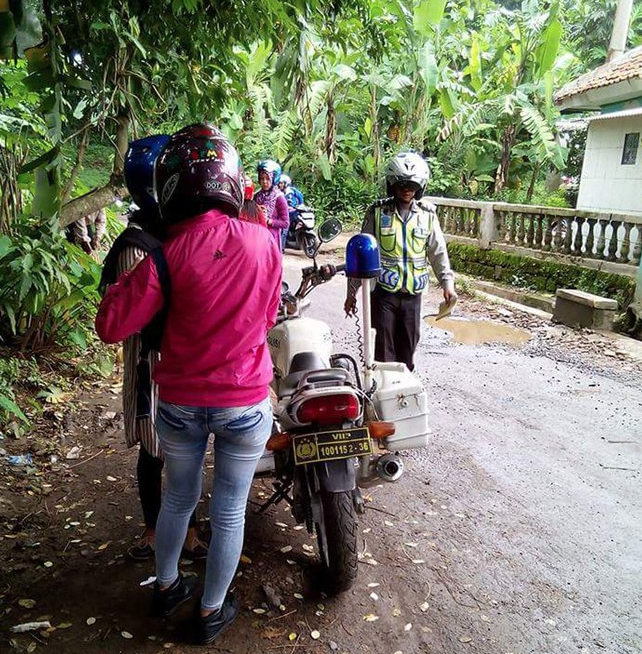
x=240, y=434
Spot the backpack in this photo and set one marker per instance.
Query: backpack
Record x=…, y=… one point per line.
x=151, y=335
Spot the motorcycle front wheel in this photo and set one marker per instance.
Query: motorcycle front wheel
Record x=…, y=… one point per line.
x=337, y=539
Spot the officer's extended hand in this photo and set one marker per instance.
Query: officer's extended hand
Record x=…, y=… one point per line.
x=449, y=295
x=350, y=306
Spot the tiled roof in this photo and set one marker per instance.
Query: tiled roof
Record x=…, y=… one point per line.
x=626, y=66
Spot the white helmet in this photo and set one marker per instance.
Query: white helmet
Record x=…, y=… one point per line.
x=286, y=179
x=407, y=167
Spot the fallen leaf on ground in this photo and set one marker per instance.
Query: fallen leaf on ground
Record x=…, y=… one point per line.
x=408, y=626
x=373, y=584
x=374, y=596
x=27, y=603
x=110, y=478
x=63, y=625
x=104, y=546
x=307, y=548
x=126, y=634
x=424, y=607
x=245, y=559
x=286, y=549
x=396, y=613
x=48, y=564
x=281, y=524
x=298, y=596
x=259, y=611
x=388, y=523
x=91, y=621
x=273, y=632
x=292, y=636
x=315, y=635
x=410, y=544
x=30, y=626
x=367, y=531
x=371, y=617
x=465, y=639
x=418, y=561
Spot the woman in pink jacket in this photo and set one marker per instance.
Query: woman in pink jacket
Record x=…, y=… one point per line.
x=213, y=375
x=271, y=198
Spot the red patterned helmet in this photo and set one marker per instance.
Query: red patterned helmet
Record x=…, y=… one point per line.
x=198, y=170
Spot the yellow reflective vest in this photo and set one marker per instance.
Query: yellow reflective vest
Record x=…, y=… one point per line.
x=402, y=245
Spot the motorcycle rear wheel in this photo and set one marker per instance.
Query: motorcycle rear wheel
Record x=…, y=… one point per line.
x=337, y=539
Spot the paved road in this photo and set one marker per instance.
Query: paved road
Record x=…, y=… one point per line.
x=530, y=492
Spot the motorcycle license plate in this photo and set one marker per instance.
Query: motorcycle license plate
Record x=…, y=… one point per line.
x=331, y=445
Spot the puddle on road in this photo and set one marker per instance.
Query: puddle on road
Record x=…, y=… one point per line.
x=477, y=332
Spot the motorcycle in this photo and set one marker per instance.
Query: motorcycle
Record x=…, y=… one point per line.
x=333, y=422
x=301, y=234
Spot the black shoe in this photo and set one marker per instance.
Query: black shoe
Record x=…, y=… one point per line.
x=165, y=602
x=210, y=628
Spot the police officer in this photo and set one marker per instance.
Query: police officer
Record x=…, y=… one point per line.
x=409, y=236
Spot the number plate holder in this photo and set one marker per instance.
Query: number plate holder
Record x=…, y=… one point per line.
x=331, y=445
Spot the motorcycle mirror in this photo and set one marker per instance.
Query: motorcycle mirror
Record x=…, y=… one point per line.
x=285, y=287
x=329, y=230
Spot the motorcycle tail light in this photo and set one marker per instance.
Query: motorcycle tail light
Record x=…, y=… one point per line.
x=329, y=409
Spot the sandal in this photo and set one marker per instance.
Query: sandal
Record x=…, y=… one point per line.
x=143, y=550
x=197, y=552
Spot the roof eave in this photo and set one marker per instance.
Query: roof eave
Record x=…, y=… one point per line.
x=594, y=99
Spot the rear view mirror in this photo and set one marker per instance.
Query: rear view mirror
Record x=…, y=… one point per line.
x=329, y=230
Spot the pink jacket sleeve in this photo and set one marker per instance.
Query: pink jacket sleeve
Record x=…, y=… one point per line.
x=130, y=303
x=281, y=217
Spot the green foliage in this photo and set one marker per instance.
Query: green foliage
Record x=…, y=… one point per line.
x=548, y=276
x=49, y=289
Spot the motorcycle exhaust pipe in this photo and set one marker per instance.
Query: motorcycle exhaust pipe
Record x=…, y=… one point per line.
x=389, y=467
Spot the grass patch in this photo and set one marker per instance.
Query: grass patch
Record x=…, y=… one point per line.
x=534, y=274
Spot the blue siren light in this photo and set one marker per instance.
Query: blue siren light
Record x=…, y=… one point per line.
x=362, y=257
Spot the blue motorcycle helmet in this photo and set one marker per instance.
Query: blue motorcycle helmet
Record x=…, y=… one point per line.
x=272, y=167
x=139, y=169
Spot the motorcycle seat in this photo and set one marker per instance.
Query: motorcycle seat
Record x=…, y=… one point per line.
x=295, y=380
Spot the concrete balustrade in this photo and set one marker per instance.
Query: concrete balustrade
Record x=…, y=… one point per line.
x=608, y=242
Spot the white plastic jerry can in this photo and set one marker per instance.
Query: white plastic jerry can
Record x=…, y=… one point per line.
x=401, y=399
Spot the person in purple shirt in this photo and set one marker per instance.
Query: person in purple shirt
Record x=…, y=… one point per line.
x=272, y=199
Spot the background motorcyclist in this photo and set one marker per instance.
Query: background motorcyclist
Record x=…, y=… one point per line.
x=410, y=238
x=292, y=194
x=272, y=199
x=294, y=198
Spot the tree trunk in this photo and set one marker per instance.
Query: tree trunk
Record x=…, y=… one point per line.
x=376, y=139
x=80, y=155
x=531, y=187
x=330, y=130
x=508, y=140
x=98, y=198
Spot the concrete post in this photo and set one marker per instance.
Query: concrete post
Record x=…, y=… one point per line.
x=620, y=29
x=637, y=298
x=488, y=226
